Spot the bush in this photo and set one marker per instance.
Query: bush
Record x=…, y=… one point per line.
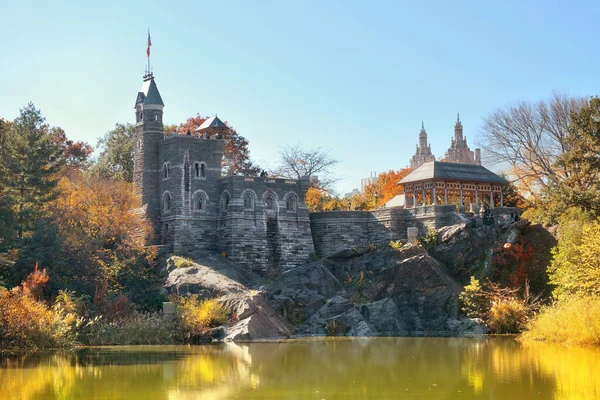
x=430, y=239
x=182, y=262
x=574, y=320
x=136, y=329
x=508, y=316
x=197, y=317
x=504, y=310
x=29, y=323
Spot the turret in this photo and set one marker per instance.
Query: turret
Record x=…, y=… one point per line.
x=148, y=132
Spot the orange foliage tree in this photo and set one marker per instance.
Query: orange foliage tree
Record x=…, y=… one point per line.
x=386, y=188
x=101, y=224
x=236, y=155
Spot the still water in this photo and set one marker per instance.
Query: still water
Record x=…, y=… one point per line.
x=362, y=368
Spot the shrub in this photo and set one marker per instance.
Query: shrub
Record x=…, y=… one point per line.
x=396, y=245
x=574, y=320
x=473, y=303
x=182, y=262
x=430, y=239
x=507, y=316
x=136, y=329
x=196, y=317
x=29, y=323
x=504, y=310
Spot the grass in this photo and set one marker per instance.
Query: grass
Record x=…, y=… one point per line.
x=575, y=320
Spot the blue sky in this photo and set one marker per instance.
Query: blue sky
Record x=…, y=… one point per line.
x=355, y=78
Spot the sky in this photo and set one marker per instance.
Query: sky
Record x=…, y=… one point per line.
x=354, y=78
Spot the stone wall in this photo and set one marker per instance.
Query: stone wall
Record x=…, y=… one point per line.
x=184, y=225
x=268, y=234
x=334, y=231
x=340, y=230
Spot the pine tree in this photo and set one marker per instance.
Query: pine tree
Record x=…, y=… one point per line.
x=31, y=160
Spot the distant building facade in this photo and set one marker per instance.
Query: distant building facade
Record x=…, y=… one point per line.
x=371, y=180
x=459, y=151
x=423, y=153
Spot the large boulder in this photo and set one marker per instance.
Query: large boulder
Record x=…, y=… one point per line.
x=254, y=318
x=206, y=280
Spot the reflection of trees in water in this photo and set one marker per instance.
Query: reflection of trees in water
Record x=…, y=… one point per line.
x=121, y=373
x=339, y=368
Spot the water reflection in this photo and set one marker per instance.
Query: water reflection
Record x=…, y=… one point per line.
x=378, y=368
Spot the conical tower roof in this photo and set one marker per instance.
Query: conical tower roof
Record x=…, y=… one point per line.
x=149, y=93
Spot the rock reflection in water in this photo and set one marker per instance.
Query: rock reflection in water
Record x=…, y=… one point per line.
x=378, y=368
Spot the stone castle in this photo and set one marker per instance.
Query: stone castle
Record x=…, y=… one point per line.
x=258, y=222
x=262, y=223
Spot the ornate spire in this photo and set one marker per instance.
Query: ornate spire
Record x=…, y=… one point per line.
x=457, y=117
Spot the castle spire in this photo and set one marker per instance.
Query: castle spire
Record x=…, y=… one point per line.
x=457, y=117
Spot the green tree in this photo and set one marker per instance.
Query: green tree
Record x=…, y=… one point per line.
x=31, y=160
x=575, y=267
x=581, y=186
x=116, y=158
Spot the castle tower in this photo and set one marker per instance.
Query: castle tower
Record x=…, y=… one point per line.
x=423, y=152
x=148, y=132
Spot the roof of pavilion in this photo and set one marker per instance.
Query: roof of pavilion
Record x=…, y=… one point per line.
x=438, y=170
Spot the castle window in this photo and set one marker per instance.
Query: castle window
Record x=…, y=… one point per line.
x=248, y=201
x=166, y=171
x=199, y=201
x=166, y=201
x=199, y=170
x=290, y=203
x=225, y=201
x=186, y=176
x=270, y=202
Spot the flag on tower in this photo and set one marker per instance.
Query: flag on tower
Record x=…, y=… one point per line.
x=149, y=44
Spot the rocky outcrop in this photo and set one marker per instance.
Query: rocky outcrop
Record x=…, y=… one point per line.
x=385, y=291
x=401, y=290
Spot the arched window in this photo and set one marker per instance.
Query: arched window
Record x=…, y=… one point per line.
x=197, y=169
x=166, y=201
x=202, y=170
x=225, y=201
x=166, y=170
x=270, y=201
x=248, y=201
x=199, y=201
x=290, y=203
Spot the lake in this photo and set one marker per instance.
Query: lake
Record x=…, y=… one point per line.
x=323, y=368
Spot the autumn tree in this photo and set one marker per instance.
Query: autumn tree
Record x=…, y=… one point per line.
x=236, y=155
x=116, y=157
x=530, y=138
x=297, y=162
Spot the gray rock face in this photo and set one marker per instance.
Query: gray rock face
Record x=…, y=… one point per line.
x=387, y=291
x=462, y=248
x=255, y=319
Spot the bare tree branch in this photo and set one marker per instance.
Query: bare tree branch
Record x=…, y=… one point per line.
x=530, y=137
x=297, y=162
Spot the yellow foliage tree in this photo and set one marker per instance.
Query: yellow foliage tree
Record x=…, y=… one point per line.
x=100, y=222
